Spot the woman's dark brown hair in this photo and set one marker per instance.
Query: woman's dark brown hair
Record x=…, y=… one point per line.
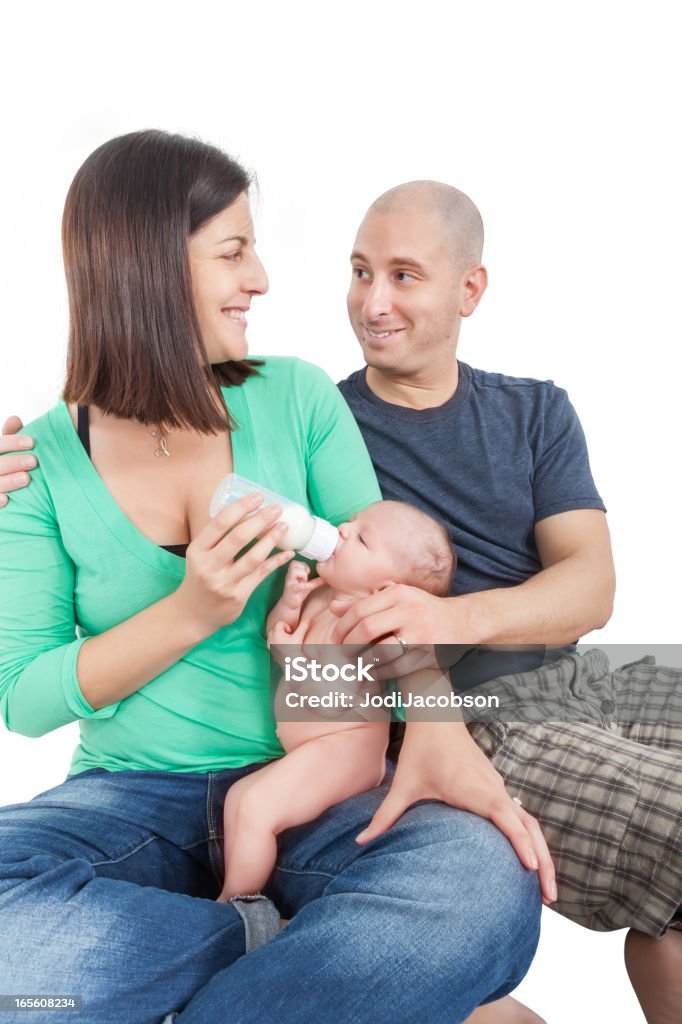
x=135, y=349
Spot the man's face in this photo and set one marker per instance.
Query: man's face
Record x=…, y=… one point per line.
x=406, y=295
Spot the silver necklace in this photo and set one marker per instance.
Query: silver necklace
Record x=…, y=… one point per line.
x=160, y=435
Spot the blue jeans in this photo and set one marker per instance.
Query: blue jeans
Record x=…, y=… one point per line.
x=107, y=888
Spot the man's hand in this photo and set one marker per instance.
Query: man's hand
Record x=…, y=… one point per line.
x=419, y=619
x=11, y=466
x=440, y=761
x=572, y=594
x=400, y=610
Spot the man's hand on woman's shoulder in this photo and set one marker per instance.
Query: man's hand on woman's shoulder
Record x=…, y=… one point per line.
x=13, y=468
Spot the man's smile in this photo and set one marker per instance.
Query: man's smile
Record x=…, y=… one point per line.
x=375, y=335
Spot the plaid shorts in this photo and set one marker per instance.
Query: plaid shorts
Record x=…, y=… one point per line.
x=607, y=790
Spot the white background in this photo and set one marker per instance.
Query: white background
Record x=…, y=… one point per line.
x=562, y=123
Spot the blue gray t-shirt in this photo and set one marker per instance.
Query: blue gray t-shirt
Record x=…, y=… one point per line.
x=500, y=455
x=496, y=458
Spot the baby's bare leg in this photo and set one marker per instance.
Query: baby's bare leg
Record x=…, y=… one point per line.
x=292, y=791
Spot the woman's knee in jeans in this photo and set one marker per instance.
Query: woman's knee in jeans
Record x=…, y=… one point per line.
x=36, y=891
x=452, y=881
x=491, y=904
x=455, y=858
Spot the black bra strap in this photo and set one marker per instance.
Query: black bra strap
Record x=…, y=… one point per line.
x=84, y=427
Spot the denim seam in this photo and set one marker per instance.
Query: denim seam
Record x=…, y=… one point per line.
x=213, y=838
x=140, y=846
x=191, y=846
x=124, y=856
x=309, y=871
x=210, y=820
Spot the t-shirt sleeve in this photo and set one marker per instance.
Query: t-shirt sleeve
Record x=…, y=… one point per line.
x=562, y=479
x=341, y=478
x=39, y=644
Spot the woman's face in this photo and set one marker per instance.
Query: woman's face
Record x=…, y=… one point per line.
x=226, y=274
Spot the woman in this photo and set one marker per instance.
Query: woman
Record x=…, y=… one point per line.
x=163, y=661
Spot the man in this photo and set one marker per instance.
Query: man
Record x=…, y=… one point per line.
x=534, y=568
x=503, y=461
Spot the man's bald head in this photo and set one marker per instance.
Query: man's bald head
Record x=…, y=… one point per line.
x=453, y=210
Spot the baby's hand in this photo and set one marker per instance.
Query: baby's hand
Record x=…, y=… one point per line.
x=297, y=585
x=297, y=574
x=283, y=634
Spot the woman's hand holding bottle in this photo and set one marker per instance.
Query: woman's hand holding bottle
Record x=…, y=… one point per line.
x=217, y=582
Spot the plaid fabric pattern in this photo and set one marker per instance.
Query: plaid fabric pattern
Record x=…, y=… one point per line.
x=607, y=791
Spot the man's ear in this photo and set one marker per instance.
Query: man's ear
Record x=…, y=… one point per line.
x=474, y=283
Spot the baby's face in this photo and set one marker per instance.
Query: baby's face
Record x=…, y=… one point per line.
x=367, y=555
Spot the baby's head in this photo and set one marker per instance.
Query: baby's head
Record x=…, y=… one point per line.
x=390, y=540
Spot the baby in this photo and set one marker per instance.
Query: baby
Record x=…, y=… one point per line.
x=327, y=761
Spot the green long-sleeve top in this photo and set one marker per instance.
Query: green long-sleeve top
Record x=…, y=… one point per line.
x=72, y=565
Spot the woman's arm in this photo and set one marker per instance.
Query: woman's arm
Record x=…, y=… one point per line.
x=213, y=593
x=48, y=677
x=341, y=478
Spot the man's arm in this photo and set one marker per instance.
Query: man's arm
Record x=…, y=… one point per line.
x=13, y=468
x=571, y=595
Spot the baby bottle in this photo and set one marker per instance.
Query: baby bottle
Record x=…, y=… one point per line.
x=311, y=536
